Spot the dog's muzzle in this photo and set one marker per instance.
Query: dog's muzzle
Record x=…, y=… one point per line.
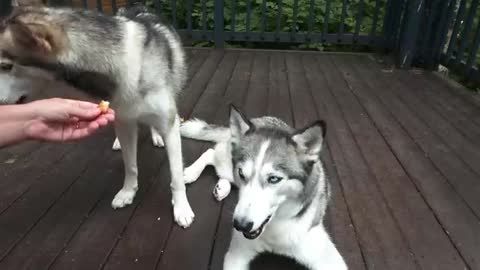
x=245, y=227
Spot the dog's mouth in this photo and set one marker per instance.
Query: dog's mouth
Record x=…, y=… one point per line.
x=21, y=100
x=257, y=232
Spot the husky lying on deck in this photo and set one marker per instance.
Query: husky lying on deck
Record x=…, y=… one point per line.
x=132, y=59
x=283, y=189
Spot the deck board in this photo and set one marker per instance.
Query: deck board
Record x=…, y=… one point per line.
x=402, y=153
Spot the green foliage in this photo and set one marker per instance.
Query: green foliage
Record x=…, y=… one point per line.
x=203, y=10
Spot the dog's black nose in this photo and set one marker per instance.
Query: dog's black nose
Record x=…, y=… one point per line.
x=242, y=225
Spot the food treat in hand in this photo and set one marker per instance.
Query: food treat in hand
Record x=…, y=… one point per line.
x=104, y=106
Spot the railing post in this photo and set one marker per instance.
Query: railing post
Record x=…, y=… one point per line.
x=410, y=31
x=219, y=32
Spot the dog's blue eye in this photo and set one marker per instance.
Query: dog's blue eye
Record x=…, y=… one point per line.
x=274, y=179
x=240, y=173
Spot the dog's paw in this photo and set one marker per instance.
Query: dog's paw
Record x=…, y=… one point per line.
x=124, y=197
x=222, y=189
x=190, y=175
x=182, y=211
x=157, y=140
x=116, y=145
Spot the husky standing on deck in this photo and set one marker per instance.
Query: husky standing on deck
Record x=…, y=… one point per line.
x=283, y=189
x=132, y=59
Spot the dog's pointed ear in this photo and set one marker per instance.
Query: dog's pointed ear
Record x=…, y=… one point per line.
x=239, y=125
x=37, y=37
x=28, y=3
x=309, y=140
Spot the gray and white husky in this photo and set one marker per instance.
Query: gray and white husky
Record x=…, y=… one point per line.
x=132, y=59
x=283, y=189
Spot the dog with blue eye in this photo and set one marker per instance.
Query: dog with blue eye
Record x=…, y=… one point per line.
x=283, y=188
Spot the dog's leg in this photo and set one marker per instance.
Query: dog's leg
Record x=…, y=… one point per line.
x=127, y=136
x=318, y=252
x=224, y=169
x=156, y=138
x=116, y=145
x=193, y=171
x=182, y=211
x=240, y=253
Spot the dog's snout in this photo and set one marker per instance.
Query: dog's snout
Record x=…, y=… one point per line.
x=242, y=225
x=21, y=99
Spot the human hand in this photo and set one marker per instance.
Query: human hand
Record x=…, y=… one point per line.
x=61, y=120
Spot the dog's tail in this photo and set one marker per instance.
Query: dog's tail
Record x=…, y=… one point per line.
x=200, y=130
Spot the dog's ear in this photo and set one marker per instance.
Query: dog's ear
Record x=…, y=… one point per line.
x=239, y=125
x=28, y=3
x=37, y=37
x=310, y=139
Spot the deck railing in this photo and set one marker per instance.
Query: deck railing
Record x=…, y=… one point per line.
x=421, y=32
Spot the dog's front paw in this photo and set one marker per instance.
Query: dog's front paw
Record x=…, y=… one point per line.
x=222, y=189
x=116, y=145
x=182, y=211
x=124, y=197
x=190, y=175
x=157, y=140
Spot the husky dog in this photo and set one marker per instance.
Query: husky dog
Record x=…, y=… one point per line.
x=283, y=190
x=132, y=59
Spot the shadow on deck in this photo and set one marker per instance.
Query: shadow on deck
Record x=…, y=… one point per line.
x=403, y=158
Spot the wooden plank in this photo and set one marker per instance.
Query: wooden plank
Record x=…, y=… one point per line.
x=17, y=180
x=460, y=175
x=304, y=112
x=382, y=243
x=25, y=212
x=181, y=250
x=235, y=94
x=94, y=239
x=425, y=236
x=11, y=154
x=442, y=105
x=137, y=247
x=457, y=219
x=54, y=230
x=463, y=148
x=342, y=228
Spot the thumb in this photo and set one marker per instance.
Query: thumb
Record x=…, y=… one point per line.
x=83, y=113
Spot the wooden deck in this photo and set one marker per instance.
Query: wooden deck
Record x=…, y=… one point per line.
x=403, y=157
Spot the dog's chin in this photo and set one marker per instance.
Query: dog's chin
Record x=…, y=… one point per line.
x=255, y=234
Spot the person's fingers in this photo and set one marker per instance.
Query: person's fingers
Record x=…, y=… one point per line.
x=82, y=113
x=81, y=104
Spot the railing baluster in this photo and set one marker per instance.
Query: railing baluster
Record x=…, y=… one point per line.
x=342, y=22
x=373, y=31
x=446, y=20
x=174, y=13
x=474, y=48
x=279, y=18
x=295, y=17
x=158, y=7
x=311, y=18
x=247, y=18
x=466, y=31
x=99, y=6
x=264, y=17
x=114, y=6
x=219, y=24
x=456, y=28
x=85, y=4
x=359, y=21
x=189, y=16
x=327, y=18
x=232, y=16
x=204, y=17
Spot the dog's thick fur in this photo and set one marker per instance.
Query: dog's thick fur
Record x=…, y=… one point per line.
x=283, y=189
x=131, y=59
